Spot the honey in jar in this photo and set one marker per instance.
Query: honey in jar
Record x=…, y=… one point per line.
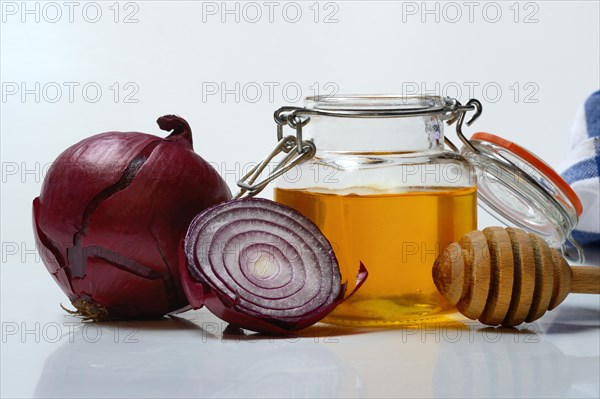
x=397, y=236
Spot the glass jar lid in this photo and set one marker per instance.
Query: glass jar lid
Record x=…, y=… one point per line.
x=518, y=188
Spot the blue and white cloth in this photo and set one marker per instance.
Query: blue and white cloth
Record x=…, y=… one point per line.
x=582, y=169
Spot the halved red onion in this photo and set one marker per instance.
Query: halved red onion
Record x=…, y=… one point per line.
x=262, y=266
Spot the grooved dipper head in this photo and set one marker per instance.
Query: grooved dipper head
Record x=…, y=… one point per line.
x=502, y=276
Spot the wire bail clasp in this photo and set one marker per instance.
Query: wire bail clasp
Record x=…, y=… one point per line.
x=459, y=118
x=296, y=149
x=289, y=116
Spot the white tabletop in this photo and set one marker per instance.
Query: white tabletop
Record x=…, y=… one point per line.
x=48, y=354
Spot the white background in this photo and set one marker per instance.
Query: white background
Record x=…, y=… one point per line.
x=542, y=55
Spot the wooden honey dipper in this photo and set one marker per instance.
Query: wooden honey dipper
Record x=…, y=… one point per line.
x=507, y=276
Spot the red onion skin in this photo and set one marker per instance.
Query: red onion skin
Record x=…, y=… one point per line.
x=195, y=291
x=111, y=214
x=232, y=316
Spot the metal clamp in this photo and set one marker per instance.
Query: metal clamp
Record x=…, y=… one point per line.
x=287, y=145
x=287, y=115
x=459, y=118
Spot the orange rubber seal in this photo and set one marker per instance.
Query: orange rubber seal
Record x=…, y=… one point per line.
x=536, y=162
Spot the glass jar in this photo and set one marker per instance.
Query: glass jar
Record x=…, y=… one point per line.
x=386, y=193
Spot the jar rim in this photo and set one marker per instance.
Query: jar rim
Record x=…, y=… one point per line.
x=380, y=102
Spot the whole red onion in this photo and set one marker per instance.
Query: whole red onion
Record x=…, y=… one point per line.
x=112, y=211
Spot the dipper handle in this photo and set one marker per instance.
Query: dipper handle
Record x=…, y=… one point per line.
x=508, y=276
x=586, y=280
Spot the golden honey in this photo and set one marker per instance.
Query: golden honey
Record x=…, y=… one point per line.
x=397, y=236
